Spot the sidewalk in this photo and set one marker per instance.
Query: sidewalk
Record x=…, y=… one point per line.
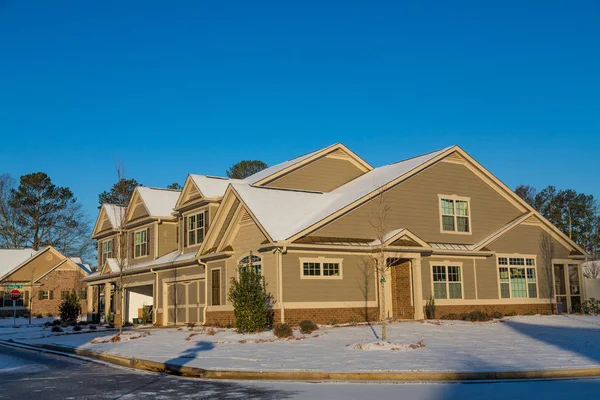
x=511, y=348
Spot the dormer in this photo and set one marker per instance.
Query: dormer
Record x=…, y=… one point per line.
x=150, y=223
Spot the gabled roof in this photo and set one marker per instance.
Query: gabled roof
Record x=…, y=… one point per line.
x=284, y=213
x=158, y=202
x=212, y=186
x=85, y=267
x=10, y=259
x=115, y=214
x=272, y=172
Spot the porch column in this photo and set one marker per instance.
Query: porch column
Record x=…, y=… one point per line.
x=90, y=302
x=107, y=305
x=417, y=288
x=389, y=309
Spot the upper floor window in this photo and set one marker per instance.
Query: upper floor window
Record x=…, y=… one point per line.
x=518, y=277
x=320, y=268
x=106, y=250
x=251, y=261
x=195, y=229
x=455, y=214
x=447, y=281
x=141, y=243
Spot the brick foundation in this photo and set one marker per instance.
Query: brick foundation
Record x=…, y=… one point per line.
x=328, y=315
x=220, y=318
x=520, y=309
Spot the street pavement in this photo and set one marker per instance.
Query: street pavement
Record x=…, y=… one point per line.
x=30, y=375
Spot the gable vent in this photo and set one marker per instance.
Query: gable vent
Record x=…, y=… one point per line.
x=455, y=157
x=245, y=217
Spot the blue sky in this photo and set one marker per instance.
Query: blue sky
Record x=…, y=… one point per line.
x=173, y=88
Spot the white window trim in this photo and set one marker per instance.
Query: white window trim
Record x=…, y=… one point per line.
x=320, y=261
x=248, y=255
x=103, y=253
x=187, y=231
x=45, y=294
x=470, y=216
x=447, y=263
x=537, y=277
x=139, y=244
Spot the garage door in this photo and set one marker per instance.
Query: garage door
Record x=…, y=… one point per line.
x=185, y=302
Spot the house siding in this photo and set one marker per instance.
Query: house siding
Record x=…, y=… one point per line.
x=357, y=283
x=414, y=204
x=167, y=238
x=323, y=174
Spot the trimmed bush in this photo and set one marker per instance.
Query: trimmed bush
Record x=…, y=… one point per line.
x=307, y=326
x=92, y=327
x=251, y=303
x=497, y=315
x=57, y=328
x=283, y=331
x=511, y=314
x=478, y=316
x=83, y=323
x=39, y=315
x=56, y=322
x=49, y=315
x=70, y=308
x=333, y=322
x=464, y=316
x=76, y=328
x=530, y=313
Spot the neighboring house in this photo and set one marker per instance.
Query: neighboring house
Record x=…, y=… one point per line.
x=45, y=277
x=311, y=226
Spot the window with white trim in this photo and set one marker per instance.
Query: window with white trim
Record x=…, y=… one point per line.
x=320, y=268
x=455, y=214
x=518, y=277
x=251, y=261
x=195, y=228
x=141, y=243
x=106, y=250
x=447, y=281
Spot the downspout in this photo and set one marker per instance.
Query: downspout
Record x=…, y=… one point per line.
x=156, y=236
x=155, y=309
x=279, y=251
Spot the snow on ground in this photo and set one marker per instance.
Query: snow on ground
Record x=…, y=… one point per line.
x=515, y=343
x=24, y=322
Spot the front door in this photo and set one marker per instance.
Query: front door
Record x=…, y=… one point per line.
x=402, y=299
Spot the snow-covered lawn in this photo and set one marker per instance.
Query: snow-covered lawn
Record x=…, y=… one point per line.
x=24, y=322
x=515, y=343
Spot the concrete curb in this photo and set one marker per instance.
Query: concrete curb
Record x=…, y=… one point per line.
x=196, y=372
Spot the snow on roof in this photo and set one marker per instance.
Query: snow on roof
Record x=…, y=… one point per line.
x=160, y=202
x=80, y=264
x=284, y=213
x=278, y=167
x=212, y=186
x=115, y=214
x=170, y=258
x=12, y=258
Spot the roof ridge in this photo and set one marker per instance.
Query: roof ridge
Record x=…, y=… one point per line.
x=420, y=155
x=158, y=188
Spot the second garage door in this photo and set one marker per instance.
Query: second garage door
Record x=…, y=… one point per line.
x=185, y=302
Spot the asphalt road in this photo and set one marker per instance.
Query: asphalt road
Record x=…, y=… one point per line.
x=30, y=375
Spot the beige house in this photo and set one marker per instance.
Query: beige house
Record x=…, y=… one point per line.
x=44, y=277
x=313, y=227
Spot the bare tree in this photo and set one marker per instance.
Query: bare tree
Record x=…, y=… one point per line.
x=383, y=258
x=591, y=269
x=120, y=244
x=546, y=251
x=11, y=232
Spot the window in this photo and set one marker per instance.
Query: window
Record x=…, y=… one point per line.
x=5, y=300
x=46, y=295
x=216, y=287
x=195, y=229
x=455, y=215
x=106, y=250
x=253, y=262
x=320, y=268
x=518, y=277
x=141, y=243
x=447, y=282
